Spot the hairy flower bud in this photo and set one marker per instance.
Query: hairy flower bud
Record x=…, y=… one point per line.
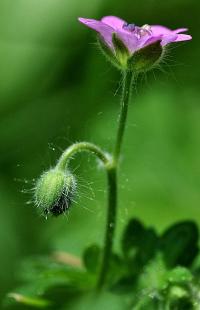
x=54, y=191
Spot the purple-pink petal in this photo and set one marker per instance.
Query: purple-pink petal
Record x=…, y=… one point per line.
x=106, y=31
x=103, y=29
x=113, y=21
x=183, y=37
x=169, y=38
x=180, y=30
x=130, y=40
x=157, y=30
x=134, y=39
x=149, y=40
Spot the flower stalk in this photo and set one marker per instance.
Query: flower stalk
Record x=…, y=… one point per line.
x=112, y=181
x=82, y=147
x=126, y=91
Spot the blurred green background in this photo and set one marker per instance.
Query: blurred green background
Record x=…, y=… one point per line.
x=56, y=88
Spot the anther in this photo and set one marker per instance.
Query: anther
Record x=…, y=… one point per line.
x=129, y=27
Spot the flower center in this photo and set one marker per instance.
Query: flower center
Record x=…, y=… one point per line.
x=139, y=32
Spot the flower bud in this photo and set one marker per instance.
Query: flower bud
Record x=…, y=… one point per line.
x=54, y=191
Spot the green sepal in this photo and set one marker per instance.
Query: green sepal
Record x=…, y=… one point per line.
x=108, y=52
x=121, y=51
x=146, y=58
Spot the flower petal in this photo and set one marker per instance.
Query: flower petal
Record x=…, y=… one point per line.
x=157, y=30
x=129, y=39
x=169, y=38
x=183, y=37
x=104, y=30
x=179, y=30
x=149, y=40
x=113, y=21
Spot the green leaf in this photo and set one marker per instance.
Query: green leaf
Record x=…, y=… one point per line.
x=99, y=301
x=29, y=301
x=92, y=258
x=41, y=274
x=46, y=279
x=61, y=295
x=179, y=244
x=180, y=275
x=138, y=245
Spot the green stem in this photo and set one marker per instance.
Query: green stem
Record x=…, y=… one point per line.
x=110, y=226
x=112, y=183
x=126, y=91
x=82, y=147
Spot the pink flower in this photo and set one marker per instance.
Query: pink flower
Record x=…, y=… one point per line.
x=134, y=37
x=130, y=47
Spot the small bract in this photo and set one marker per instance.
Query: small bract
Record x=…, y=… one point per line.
x=54, y=192
x=130, y=47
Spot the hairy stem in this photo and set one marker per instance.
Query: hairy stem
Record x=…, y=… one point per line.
x=82, y=147
x=112, y=182
x=110, y=226
x=126, y=91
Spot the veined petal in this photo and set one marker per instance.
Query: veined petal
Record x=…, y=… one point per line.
x=113, y=21
x=179, y=30
x=129, y=39
x=169, y=38
x=149, y=40
x=183, y=37
x=169, y=35
x=157, y=30
x=103, y=29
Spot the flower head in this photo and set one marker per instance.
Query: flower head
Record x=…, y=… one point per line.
x=132, y=37
x=54, y=191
